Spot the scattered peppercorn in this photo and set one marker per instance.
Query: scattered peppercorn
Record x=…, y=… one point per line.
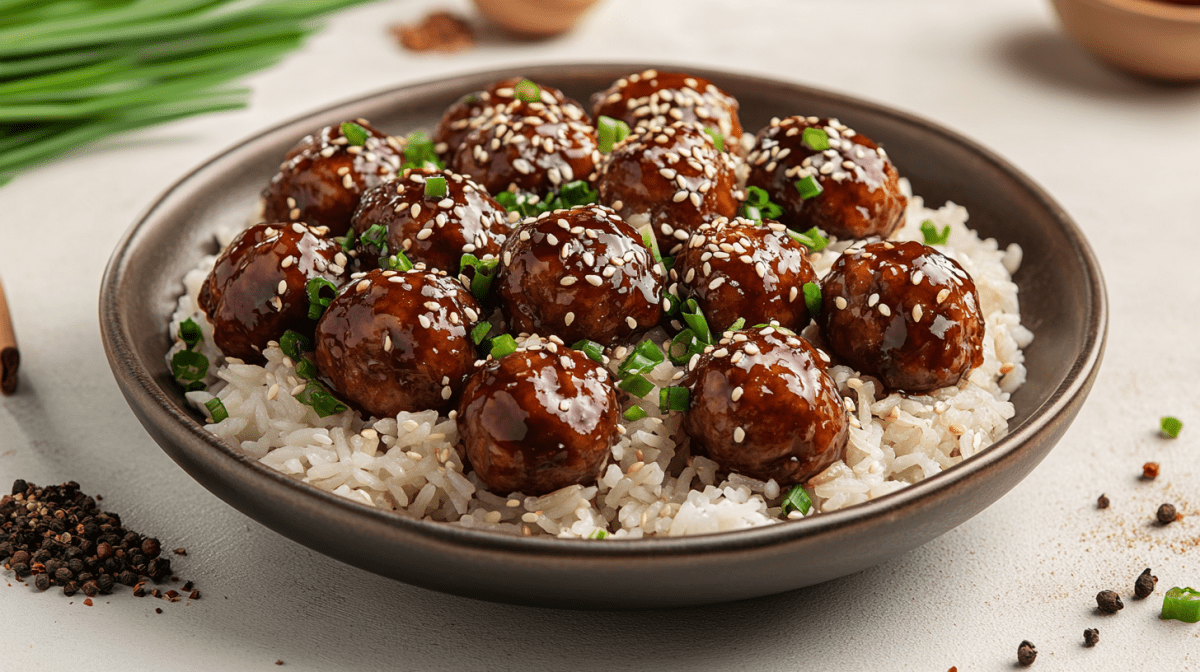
x=1109, y=601
x=1166, y=514
x=1026, y=653
x=1102, y=503
x=1150, y=470
x=1144, y=585
x=194, y=595
x=158, y=610
x=1090, y=637
x=42, y=581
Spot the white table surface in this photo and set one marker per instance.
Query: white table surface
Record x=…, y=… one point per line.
x=1118, y=153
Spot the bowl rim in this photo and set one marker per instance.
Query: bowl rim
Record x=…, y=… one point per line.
x=1158, y=9
x=147, y=397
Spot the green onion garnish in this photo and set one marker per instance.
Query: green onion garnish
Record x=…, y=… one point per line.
x=375, y=237
x=758, y=206
x=317, y=303
x=1171, y=426
x=609, y=132
x=808, y=187
x=718, y=140
x=683, y=346
x=322, y=401
x=775, y=325
x=527, y=91
x=480, y=331
x=592, y=349
x=216, y=409
x=305, y=369
x=570, y=195
x=435, y=187
x=696, y=322
x=644, y=358
x=482, y=273
x=189, y=365
x=673, y=399
x=634, y=413
x=294, y=344
x=354, y=134
x=347, y=241
x=195, y=385
x=812, y=239
x=1182, y=604
x=190, y=334
x=737, y=324
x=797, y=500
x=673, y=304
x=636, y=384
x=816, y=139
x=419, y=152
x=812, y=298
x=573, y=194
x=502, y=345
x=932, y=235
x=396, y=262
x=651, y=242
x=598, y=534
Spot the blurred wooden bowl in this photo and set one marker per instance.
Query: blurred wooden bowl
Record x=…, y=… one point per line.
x=535, y=18
x=1155, y=38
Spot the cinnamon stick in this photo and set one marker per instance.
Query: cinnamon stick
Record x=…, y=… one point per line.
x=10, y=357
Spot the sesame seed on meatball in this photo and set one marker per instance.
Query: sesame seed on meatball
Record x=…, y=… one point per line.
x=470, y=111
x=660, y=98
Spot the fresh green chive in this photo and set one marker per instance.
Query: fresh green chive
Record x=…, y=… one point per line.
x=576, y=193
x=480, y=331
x=808, y=187
x=718, y=140
x=634, y=413
x=812, y=239
x=651, y=242
x=319, y=398
x=812, y=298
x=816, y=139
x=189, y=365
x=195, y=385
x=737, y=324
x=598, y=534
x=317, y=303
x=668, y=263
x=1182, y=604
x=673, y=399
x=637, y=385
x=502, y=345
x=797, y=500
x=419, y=153
x=435, y=187
x=294, y=344
x=683, y=346
x=694, y=318
x=305, y=369
x=216, y=409
x=354, y=134
x=757, y=196
x=527, y=91
x=483, y=271
x=932, y=235
x=609, y=132
x=375, y=237
x=644, y=358
x=190, y=334
x=1171, y=426
x=396, y=262
x=507, y=200
x=347, y=241
x=751, y=213
x=592, y=349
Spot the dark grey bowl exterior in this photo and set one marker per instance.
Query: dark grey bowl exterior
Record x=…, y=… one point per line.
x=1062, y=301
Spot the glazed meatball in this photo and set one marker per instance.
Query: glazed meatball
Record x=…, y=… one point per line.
x=672, y=174
x=660, y=98
x=398, y=341
x=860, y=194
x=324, y=175
x=257, y=289
x=905, y=313
x=736, y=268
x=436, y=230
x=528, y=147
x=539, y=419
x=579, y=273
x=763, y=405
x=470, y=111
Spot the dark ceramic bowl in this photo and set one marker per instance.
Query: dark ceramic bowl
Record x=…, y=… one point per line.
x=1062, y=301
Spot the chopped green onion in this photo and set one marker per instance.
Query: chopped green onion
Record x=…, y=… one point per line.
x=396, y=262
x=673, y=399
x=637, y=385
x=758, y=206
x=932, y=235
x=609, y=132
x=294, y=344
x=1171, y=426
x=482, y=273
x=808, y=187
x=816, y=139
x=190, y=334
x=683, y=346
x=480, y=331
x=797, y=500
x=775, y=325
x=668, y=263
x=216, y=409
x=1182, y=604
x=634, y=413
x=751, y=213
x=573, y=194
x=651, y=242
x=502, y=345
x=305, y=369
x=435, y=187
x=592, y=349
x=354, y=134
x=322, y=401
x=812, y=239
x=644, y=358
x=375, y=237
x=812, y=298
x=598, y=534
x=419, y=152
x=195, y=385
x=757, y=196
x=696, y=322
x=737, y=324
x=718, y=140
x=527, y=91
x=189, y=365
x=317, y=303
x=673, y=304
x=347, y=241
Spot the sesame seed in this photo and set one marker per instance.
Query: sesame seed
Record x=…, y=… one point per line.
x=792, y=294
x=387, y=343
x=679, y=196
x=568, y=281
x=918, y=277
x=631, y=322
x=840, y=303
x=425, y=321
x=872, y=300
x=552, y=239
x=739, y=435
x=424, y=234
x=884, y=310
x=568, y=319
x=916, y=313
x=751, y=349
x=696, y=199
x=446, y=392
x=717, y=282
x=416, y=209
x=276, y=303
x=942, y=295
x=737, y=394
x=737, y=357
x=595, y=280
x=362, y=286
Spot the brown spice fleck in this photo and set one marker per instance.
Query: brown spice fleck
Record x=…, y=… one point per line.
x=1150, y=471
x=1109, y=602
x=180, y=551
x=1166, y=514
x=1102, y=502
x=1026, y=653
x=438, y=31
x=88, y=601
x=1090, y=637
x=195, y=595
x=158, y=610
x=1143, y=587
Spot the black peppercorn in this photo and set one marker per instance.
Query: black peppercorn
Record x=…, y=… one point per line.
x=90, y=588
x=1026, y=653
x=1166, y=514
x=62, y=575
x=105, y=583
x=1102, y=502
x=1090, y=637
x=1143, y=587
x=19, y=487
x=75, y=565
x=151, y=548
x=70, y=588
x=42, y=582
x=21, y=558
x=127, y=578
x=1109, y=602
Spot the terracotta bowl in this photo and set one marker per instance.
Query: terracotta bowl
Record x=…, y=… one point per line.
x=1062, y=300
x=1150, y=37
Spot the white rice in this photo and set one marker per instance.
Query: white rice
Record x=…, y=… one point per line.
x=652, y=485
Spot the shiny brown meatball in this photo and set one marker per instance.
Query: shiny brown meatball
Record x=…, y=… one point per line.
x=324, y=175
x=660, y=98
x=905, y=313
x=736, y=268
x=538, y=420
x=528, y=147
x=257, y=288
x=470, y=111
x=673, y=174
x=398, y=341
x=763, y=405
x=434, y=230
x=579, y=273
x=861, y=194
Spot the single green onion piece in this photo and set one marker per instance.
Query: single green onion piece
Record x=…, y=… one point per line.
x=216, y=409
x=354, y=134
x=816, y=139
x=683, y=346
x=507, y=200
x=737, y=324
x=317, y=303
x=396, y=262
x=808, y=187
x=577, y=193
x=598, y=534
x=673, y=399
x=527, y=91
x=480, y=331
x=347, y=241
x=932, y=235
x=673, y=304
x=650, y=241
x=318, y=396
x=797, y=500
x=609, y=132
x=294, y=344
x=419, y=152
x=812, y=298
x=375, y=237
x=190, y=334
x=592, y=349
x=189, y=365
x=771, y=211
x=644, y=358
x=502, y=345
x=751, y=213
x=812, y=239
x=757, y=197
x=634, y=413
x=668, y=263
x=696, y=322
x=1182, y=604
x=637, y=385
x=305, y=369
x=195, y=385
x=484, y=270
x=435, y=187
x=718, y=140
x=1171, y=426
